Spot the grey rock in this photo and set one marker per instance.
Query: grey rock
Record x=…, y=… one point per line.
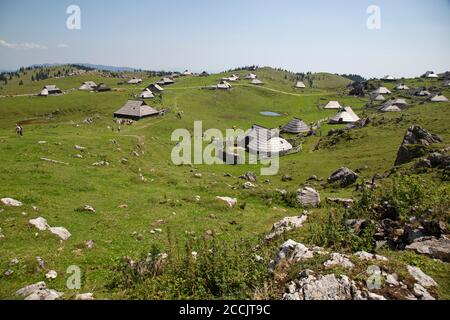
x=10, y=202
x=291, y=251
x=421, y=293
x=326, y=287
x=338, y=259
x=435, y=248
x=286, y=224
x=344, y=176
x=423, y=279
x=61, y=232
x=85, y=296
x=308, y=196
x=39, y=223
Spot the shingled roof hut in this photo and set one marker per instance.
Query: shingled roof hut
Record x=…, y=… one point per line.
x=296, y=125
x=50, y=90
x=147, y=94
x=346, y=115
x=333, y=105
x=135, y=110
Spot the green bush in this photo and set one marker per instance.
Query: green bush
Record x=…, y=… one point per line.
x=331, y=231
x=218, y=271
x=406, y=196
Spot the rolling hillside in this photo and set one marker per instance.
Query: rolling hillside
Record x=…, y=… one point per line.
x=143, y=201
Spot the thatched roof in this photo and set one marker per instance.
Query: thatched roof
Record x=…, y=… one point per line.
x=346, y=115
x=296, y=126
x=300, y=84
x=439, y=98
x=333, y=105
x=135, y=110
x=204, y=74
x=382, y=90
x=146, y=94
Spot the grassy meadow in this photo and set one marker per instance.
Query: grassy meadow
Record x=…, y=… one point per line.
x=166, y=200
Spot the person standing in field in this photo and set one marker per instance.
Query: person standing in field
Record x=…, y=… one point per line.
x=19, y=130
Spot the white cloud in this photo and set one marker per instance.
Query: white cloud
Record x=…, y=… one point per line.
x=25, y=46
x=62, y=45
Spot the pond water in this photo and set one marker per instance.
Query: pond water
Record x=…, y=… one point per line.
x=270, y=113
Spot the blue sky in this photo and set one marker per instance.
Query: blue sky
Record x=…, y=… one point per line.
x=322, y=35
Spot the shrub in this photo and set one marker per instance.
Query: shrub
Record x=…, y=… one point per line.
x=217, y=270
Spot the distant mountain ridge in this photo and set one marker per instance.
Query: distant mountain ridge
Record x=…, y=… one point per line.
x=88, y=65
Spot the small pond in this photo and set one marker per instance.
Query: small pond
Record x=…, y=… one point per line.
x=270, y=113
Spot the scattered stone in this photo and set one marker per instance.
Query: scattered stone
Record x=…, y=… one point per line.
x=26, y=291
x=101, y=163
x=79, y=156
x=286, y=178
x=35, y=208
x=9, y=273
x=392, y=279
x=363, y=255
x=42, y=142
x=308, y=196
x=86, y=208
x=230, y=202
x=432, y=247
x=421, y=293
x=249, y=176
x=45, y=294
x=123, y=206
x=198, y=175
x=374, y=296
x=39, y=223
x=54, y=161
x=41, y=264
x=344, y=176
x=286, y=224
x=416, y=138
x=313, y=178
x=291, y=251
x=10, y=202
x=328, y=287
x=89, y=244
x=14, y=262
x=84, y=296
x=338, y=259
x=248, y=185
x=343, y=201
x=79, y=148
x=52, y=274
x=423, y=279
x=61, y=232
